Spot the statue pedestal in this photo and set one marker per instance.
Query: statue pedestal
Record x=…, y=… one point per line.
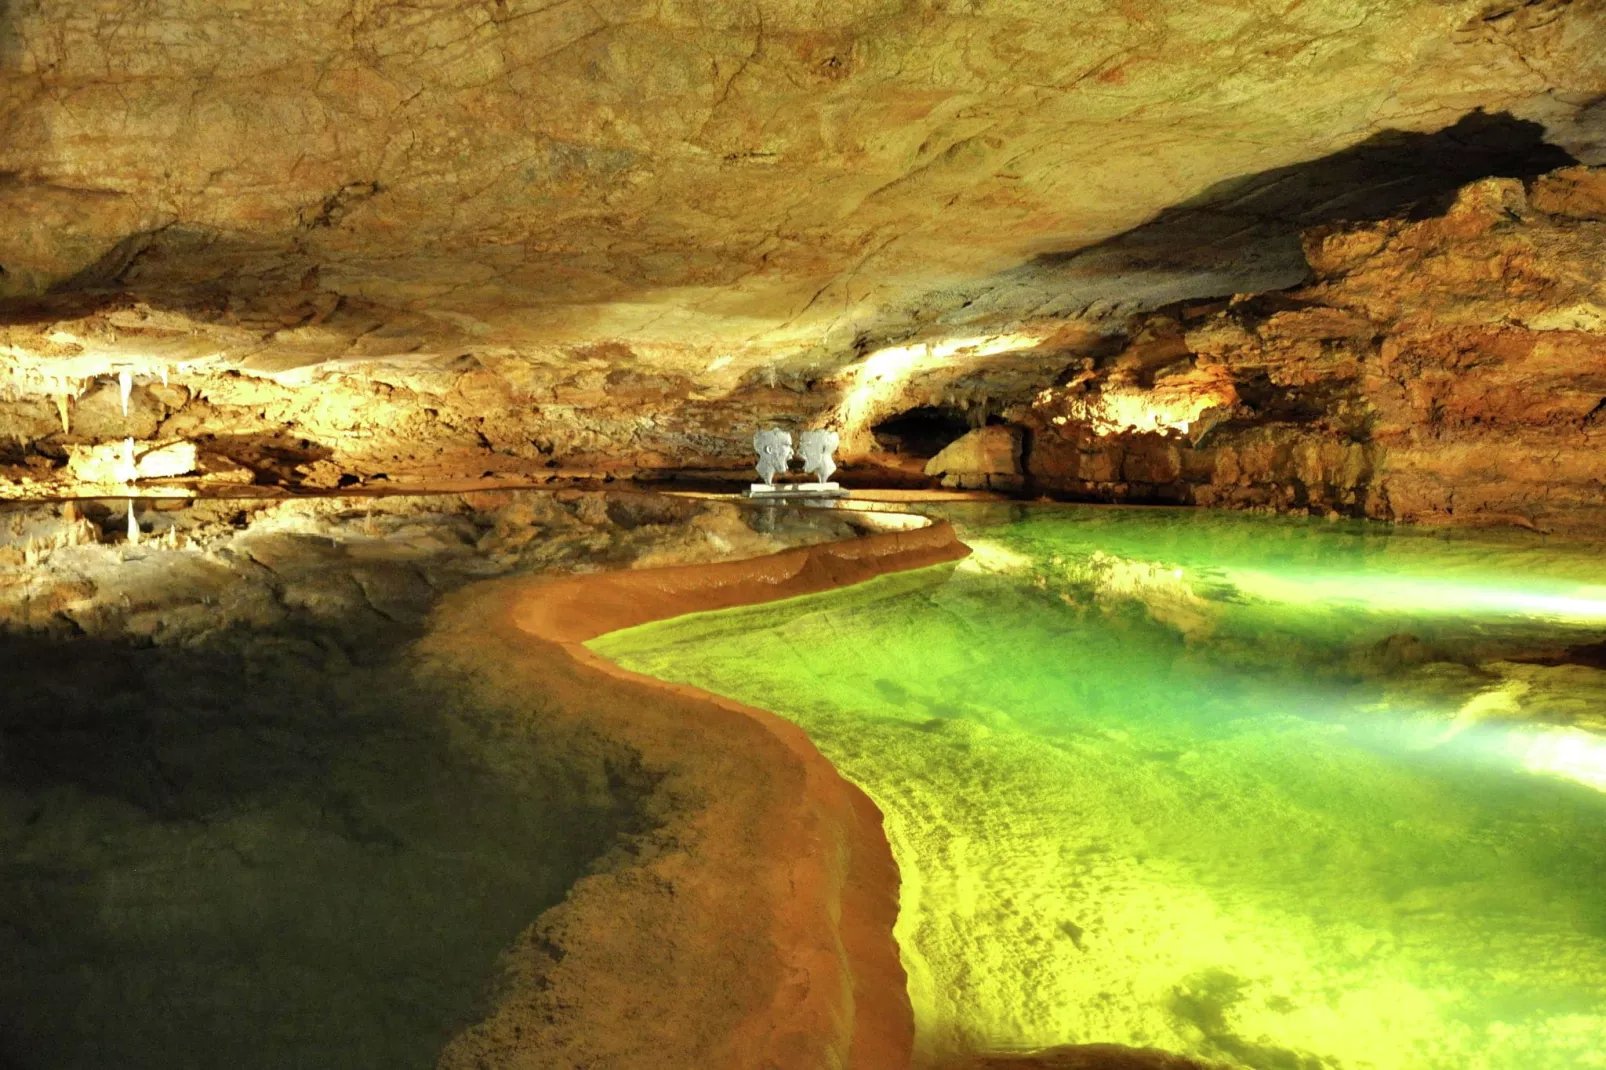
x=795, y=490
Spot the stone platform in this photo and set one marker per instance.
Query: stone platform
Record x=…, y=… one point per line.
x=794, y=490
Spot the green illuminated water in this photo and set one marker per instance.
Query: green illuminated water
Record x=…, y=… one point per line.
x=1273, y=793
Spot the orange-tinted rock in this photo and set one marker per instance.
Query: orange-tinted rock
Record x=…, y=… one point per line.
x=1449, y=370
x=985, y=457
x=1575, y=192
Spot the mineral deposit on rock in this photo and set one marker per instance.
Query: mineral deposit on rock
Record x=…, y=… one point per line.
x=335, y=243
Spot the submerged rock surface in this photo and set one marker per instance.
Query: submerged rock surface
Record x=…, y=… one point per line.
x=1259, y=791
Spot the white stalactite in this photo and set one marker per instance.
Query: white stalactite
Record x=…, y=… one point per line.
x=125, y=385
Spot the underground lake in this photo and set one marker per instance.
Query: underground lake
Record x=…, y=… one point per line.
x=803, y=535
x=256, y=812
x=1279, y=794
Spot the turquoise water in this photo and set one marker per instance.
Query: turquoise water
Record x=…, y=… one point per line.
x=1280, y=794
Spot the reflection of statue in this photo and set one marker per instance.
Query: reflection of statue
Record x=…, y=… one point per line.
x=774, y=448
x=816, y=448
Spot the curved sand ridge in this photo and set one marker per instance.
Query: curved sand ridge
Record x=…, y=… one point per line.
x=752, y=927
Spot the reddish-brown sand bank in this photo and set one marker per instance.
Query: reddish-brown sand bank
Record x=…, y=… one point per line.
x=752, y=927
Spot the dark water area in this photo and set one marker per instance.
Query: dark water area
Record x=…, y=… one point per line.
x=263, y=858
x=245, y=820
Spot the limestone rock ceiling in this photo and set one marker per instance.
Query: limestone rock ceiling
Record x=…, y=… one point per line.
x=335, y=242
x=370, y=180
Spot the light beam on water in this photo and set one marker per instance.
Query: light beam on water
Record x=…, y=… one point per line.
x=1274, y=794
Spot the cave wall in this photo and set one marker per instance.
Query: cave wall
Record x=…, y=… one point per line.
x=377, y=426
x=378, y=244
x=1451, y=369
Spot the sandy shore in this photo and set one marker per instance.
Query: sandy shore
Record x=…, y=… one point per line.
x=752, y=927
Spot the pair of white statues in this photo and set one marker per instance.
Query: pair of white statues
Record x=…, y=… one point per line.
x=775, y=453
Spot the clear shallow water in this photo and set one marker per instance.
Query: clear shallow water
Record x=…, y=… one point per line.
x=1262, y=791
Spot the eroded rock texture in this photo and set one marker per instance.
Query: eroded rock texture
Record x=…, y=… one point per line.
x=369, y=241
x=1453, y=368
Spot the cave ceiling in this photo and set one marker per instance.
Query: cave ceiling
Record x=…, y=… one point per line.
x=713, y=189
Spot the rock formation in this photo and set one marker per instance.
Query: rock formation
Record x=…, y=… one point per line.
x=1343, y=257
x=372, y=243
x=985, y=457
x=1448, y=369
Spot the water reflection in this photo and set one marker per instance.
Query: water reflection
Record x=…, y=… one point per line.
x=244, y=820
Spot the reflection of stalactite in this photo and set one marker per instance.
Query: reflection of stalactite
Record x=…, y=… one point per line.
x=133, y=524
x=72, y=526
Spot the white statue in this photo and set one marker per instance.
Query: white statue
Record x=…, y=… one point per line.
x=816, y=448
x=774, y=448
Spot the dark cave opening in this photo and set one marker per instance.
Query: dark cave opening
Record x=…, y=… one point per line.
x=1242, y=234
x=1393, y=173
x=922, y=431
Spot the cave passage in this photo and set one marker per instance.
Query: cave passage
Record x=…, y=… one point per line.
x=1279, y=794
